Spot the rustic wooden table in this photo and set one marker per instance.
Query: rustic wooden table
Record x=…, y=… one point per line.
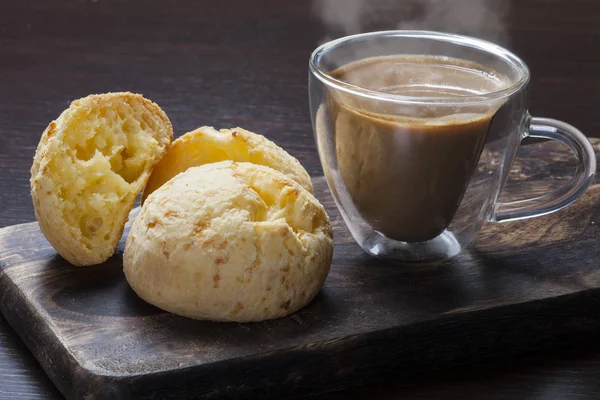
x=241, y=63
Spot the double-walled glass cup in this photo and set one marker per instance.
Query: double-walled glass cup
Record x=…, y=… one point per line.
x=417, y=188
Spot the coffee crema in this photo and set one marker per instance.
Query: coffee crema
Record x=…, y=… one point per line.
x=407, y=165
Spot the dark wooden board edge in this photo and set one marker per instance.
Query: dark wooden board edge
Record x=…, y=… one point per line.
x=18, y=312
x=396, y=353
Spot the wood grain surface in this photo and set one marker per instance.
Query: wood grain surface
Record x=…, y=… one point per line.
x=518, y=288
x=236, y=62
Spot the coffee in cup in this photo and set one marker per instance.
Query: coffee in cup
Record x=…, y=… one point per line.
x=407, y=174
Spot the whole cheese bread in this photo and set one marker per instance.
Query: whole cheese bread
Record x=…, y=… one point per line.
x=89, y=167
x=207, y=145
x=229, y=241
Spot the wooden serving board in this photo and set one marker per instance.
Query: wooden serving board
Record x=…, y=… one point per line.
x=521, y=286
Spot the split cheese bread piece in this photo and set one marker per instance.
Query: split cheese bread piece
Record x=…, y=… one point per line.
x=89, y=167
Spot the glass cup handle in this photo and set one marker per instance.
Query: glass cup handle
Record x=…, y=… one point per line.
x=546, y=128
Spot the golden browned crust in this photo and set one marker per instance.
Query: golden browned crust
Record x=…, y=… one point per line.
x=206, y=145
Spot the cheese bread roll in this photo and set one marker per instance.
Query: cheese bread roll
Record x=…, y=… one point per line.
x=206, y=145
x=229, y=242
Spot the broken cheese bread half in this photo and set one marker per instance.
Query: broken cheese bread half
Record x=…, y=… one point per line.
x=89, y=167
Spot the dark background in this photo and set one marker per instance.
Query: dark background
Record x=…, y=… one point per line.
x=244, y=63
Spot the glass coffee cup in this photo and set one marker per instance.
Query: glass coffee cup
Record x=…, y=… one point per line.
x=417, y=132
